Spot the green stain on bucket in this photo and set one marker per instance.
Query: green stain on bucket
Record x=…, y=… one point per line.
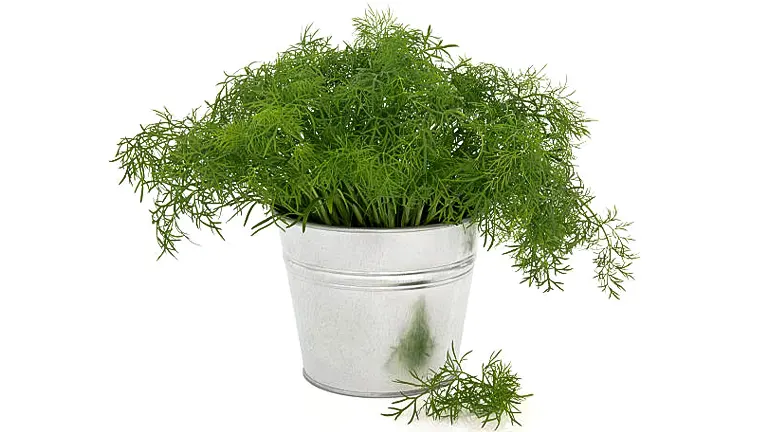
x=416, y=343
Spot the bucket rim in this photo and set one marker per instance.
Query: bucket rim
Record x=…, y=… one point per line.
x=397, y=230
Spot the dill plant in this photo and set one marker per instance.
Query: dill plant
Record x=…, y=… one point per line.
x=388, y=130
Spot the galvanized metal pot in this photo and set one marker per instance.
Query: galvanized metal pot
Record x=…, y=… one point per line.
x=371, y=304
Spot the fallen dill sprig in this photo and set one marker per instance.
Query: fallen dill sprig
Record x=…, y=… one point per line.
x=450, y=392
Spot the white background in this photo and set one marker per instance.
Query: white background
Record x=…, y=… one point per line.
x=95, y=335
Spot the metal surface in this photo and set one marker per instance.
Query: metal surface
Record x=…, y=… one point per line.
x=370, y=304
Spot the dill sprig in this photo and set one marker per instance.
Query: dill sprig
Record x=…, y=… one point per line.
x=449, y=392
x=389, y=130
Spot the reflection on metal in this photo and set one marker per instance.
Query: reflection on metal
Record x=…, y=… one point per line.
x=416, y=344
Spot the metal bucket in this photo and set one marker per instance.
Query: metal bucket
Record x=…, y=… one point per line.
x=372, y=304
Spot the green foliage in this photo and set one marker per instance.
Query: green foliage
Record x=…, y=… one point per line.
x=387, y=131
x=450, y=392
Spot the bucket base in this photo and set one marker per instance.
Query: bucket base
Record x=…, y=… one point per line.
x=356, y=393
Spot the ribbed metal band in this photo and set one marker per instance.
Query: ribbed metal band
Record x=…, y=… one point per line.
x=372, y=280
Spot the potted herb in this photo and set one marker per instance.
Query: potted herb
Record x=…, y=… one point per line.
x=382, y=161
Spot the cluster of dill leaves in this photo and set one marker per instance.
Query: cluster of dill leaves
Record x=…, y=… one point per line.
x=449, y=392
x=388, y=130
